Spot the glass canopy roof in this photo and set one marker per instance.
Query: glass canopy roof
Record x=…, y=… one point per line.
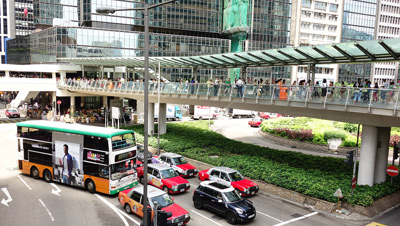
x=341, y=53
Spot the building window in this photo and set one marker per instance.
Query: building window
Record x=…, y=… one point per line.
x=307, y=3
x=306, y=14
x=320, y=5
x=333, y=7
x=5, y=27
x=332, y=28
x=4, y=7
x=305, y=25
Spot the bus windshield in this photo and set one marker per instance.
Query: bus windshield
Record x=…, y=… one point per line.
x=169, y=173
x=122, y=169
x=123, y=141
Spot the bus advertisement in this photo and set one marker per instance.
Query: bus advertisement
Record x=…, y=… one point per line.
x=94, y=158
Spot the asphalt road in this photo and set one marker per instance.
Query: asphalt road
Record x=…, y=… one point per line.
x=27, y=201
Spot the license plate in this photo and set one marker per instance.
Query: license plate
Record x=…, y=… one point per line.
x=252, y=193
x=191, y=174
x=251, y=216
x=182, y=190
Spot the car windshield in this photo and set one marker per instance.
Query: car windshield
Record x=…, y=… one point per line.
x=179, y=161
x=169, y=173
x=12, y=110
x=232, y=196
x=236, y=176
x=162, y=200
x=122, y=169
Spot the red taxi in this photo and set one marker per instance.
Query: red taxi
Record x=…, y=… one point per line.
x=178, y=163
x=165, y=178
x=230, y=177
x=132, y=201
x=256, y=122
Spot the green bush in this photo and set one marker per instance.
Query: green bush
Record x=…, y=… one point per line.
x=319, y=139
x=314, y=176
x=334, y=134
x=351, y=128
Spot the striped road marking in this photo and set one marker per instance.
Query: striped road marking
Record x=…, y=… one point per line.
x=296, y=219
x=206, y=218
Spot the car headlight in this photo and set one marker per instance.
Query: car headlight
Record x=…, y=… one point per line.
x=257, y=187
x=187, y=185
x=187, y=215
x=195, y=170
x=174, y=187
x=239, y=211
x=246, y=190
x=184, y=172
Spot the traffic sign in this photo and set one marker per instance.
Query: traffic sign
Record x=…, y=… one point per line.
x=353, y=183
x=59, y=102
x=392, y=171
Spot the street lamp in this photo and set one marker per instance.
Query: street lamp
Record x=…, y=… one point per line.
x=109, y=10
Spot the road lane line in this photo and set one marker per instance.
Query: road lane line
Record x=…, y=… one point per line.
x=193, y=185
x=296, y=219
x=14, y=121
x=206, y=217
x=113, y=208
x=48, y=211
x=269, y=216
x=129, y=217
x=24, y=182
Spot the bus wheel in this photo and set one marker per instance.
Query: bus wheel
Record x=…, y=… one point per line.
x=128, y=208
x=35, y=172
x=47, y=176
x=90, y=186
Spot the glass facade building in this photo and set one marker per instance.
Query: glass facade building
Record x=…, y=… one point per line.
x=359, y=22
x=23, y=17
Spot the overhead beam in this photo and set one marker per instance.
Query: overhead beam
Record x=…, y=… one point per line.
x=324, y=54
x=243, y=58
x=212, y=63
x=288, y=56
x=306, y=55
x=223, y=61
x=365, y=51
x=344, y=53
x=207, y=64
x=237, y=62
x=388, y=49
x=275, y=58
x=259, y=58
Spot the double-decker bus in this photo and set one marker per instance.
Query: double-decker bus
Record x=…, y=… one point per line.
x=97, y=159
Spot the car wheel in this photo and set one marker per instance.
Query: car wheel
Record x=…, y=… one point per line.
x=200, y=118
x=141, y=180
x=90, y=186
x=47, y=176
x=165, y=188
x=35, y=172
x=198, y=204
x=231, y=218
x=128, y=208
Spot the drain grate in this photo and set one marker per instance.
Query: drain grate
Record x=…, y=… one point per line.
x=297, y=215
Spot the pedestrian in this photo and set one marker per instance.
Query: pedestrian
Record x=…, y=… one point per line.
x=239, y=87
x=216, y=86
x=324, y=88
x=283, y=90
x=357, y=91
x=316, y=90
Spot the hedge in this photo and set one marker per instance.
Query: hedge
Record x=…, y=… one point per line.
x=314, y=176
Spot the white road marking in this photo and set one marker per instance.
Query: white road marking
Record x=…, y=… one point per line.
x=193, y=185
x=206, y=217
x=48, y=211
x=56, y=192
x=9, y=199
x=296, y=219
x=113, y=208
x=269, y=216
x=129, y=217
x=24, y=182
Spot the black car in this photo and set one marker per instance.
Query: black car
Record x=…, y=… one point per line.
x=225, y=201
x=140, y=154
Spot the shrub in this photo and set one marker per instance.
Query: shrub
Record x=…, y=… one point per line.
x=334, y=134
x=351, y=128
x=319, y=139
x=301, y=135
x=394, y=138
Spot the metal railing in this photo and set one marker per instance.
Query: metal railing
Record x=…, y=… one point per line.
x=347, y=96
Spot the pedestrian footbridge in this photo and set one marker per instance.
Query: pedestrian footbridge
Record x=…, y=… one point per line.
x=300, y=101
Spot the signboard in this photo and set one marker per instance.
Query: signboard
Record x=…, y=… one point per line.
x=392, y=171
x=59, y=102
x=338, y=193
x=116, y=113
x=353, y=183
x=125, y=156
x=95, y=156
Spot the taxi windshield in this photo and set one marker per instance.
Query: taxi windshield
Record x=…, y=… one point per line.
x=231, y=196
x=179, y=161
x=162, y=200
x=169, y=173
x=236, y=176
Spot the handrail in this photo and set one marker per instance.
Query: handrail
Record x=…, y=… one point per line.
x=334, y=95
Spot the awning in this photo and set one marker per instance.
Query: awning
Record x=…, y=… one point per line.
x=341, y=53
